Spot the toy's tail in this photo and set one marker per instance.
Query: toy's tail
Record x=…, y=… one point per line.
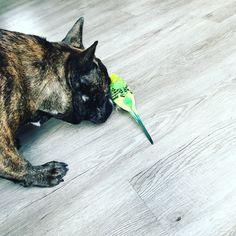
x=139, y=121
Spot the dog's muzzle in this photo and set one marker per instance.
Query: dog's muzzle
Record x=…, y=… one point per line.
x=102, y=113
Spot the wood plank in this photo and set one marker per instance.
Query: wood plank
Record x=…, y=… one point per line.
x=179, y=58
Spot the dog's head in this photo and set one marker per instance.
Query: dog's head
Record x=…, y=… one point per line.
x=88, y=80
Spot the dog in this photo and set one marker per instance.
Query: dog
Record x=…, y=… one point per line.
x=39, y=80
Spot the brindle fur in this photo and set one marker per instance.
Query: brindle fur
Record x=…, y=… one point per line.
x=39, y=80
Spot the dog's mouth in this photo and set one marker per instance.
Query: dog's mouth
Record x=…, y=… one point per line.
x=96, y=115
x=102, y=113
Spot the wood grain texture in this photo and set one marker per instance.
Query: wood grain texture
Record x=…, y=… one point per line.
x=178, y=56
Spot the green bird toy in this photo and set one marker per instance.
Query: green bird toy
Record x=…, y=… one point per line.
x=123, y=97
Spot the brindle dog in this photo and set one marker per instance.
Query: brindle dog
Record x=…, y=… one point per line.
x=38, y=80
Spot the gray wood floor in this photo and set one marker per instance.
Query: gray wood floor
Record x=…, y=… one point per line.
x=179, y=56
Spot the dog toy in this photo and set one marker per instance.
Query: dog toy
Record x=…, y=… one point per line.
x=123, y=97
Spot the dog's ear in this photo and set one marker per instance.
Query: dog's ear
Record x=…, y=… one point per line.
x=89, y=53
x=75, y=35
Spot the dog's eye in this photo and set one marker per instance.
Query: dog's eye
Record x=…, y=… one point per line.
x=76, y=85
x=84, y=84
x=80, y=84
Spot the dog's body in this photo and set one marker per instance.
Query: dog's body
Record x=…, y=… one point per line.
x=39, y=80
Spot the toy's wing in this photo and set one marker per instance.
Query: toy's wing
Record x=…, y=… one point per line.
x=121, y=95
x=125, y=101
x=132, y=102
x=120, y=103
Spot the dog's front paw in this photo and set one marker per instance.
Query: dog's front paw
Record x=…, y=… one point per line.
x=47, y=175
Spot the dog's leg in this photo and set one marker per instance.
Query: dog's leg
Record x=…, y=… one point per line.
x=14, y=167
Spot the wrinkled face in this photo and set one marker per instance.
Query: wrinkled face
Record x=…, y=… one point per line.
x=90, y=91
x=88, y=79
